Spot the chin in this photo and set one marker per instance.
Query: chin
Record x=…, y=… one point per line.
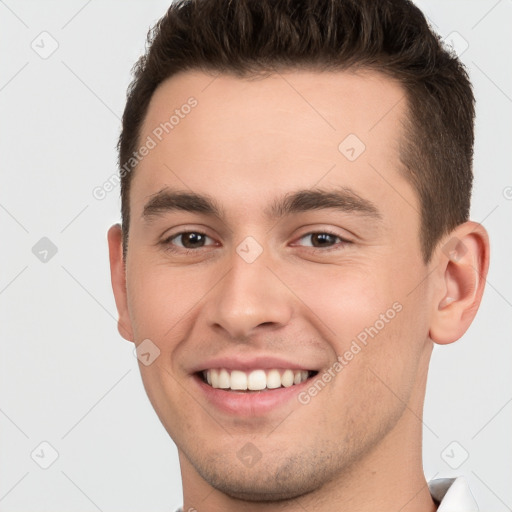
x=248, y=491
x=261, y=483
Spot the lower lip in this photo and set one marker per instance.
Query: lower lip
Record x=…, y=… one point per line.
x=253, y=403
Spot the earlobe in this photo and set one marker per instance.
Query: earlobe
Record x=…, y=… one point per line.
x=118, y=279
x=463, y=260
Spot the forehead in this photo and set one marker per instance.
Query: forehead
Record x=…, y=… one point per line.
x=274, y=134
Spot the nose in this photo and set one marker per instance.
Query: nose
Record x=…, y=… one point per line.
x=250, y=297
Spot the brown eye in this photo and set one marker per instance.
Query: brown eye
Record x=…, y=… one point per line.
x=188, y=240
x=192, y=240
x=323, y=239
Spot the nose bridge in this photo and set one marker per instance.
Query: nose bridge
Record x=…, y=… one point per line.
x=249, y=295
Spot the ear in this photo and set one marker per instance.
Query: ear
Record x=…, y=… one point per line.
x=118, y=278
x=463, y=261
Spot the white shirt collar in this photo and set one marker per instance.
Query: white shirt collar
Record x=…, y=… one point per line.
x=454, y=495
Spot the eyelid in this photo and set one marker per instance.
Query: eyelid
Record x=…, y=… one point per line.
x=343, y=240
x=192, y=228
x=312, y=229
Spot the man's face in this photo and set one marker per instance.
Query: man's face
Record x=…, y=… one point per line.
x=300, y=283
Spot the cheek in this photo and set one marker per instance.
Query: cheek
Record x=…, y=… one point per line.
x=159, y=298
x=370, y=318
x=374, y=333
x=347, y=299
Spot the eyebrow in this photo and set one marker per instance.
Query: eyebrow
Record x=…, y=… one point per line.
x=343, y=200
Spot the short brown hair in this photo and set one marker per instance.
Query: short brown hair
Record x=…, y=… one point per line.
x=249, y=37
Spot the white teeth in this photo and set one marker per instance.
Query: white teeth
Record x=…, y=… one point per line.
x=287, y=378
x=273, y=379
x=255, y=380
x=238, y=380
x=214, y=377
x=223, y=381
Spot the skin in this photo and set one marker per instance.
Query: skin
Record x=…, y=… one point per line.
x=357, y=444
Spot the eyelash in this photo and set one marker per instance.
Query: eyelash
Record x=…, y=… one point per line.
x=182, y=250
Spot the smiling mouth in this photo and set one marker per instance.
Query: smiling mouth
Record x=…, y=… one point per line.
x=254, y=381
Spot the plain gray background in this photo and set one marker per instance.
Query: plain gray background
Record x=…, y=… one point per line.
x=66, y=376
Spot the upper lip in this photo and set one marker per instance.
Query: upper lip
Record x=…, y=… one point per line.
x=246, y=363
